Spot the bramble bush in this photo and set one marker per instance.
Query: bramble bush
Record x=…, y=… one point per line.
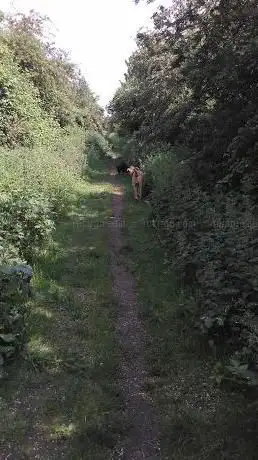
x=36, y=188
x=211, y=242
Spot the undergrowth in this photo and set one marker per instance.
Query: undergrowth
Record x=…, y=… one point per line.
x=37, y=189
x=197, y=417
x=60, y=400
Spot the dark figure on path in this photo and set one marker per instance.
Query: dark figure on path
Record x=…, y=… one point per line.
x=122, y=167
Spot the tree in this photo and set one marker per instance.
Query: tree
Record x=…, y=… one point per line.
x=34, y=73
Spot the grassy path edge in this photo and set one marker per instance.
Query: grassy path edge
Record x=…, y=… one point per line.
x=61, y=399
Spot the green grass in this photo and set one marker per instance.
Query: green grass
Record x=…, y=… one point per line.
x=61, y=399
x=198, y=420
x=46, y=169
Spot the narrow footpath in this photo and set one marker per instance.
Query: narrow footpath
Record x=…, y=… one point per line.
x=142, y=437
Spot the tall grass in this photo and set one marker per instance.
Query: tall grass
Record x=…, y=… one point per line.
x=35, y=188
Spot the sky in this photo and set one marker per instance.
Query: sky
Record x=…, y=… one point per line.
x=99, y=34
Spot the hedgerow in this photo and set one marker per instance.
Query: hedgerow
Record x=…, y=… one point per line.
x=188, y=111
x=22, y=120
x=212, y=243
x=37, y=188
x=46, y=112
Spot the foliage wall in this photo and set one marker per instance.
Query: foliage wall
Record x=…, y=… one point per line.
x=188, y=110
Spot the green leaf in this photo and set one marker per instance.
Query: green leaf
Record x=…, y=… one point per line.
x=8, y=337
x=7, y=349
x=243, y=367
x=234, y=362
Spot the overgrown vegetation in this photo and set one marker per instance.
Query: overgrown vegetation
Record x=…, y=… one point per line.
x=37, y=186
x=41, y=90
x=49, y=119
x=188, y=111
x=59, y=394
x=197, y=419
x=62, y=400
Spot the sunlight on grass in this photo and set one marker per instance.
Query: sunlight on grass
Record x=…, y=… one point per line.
x=43, y=312
x=60, y=430
x=37, y=347
x=67, y=384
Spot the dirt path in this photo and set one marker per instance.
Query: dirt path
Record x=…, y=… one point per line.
x=142, y=439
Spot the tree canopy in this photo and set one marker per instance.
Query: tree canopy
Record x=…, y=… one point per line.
x=40, y=86
x=193, y=80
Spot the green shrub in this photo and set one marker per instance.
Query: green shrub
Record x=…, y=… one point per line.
x=13, y=315
x=22, y=120
x=37, y=187
x=97, y=144
x=43, y=98
x=26, y=221
x=211, y=241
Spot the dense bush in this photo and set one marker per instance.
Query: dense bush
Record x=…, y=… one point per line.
x=36, y=188
x=26, y=220
x=14, y=311
x=46, y=111
x=214, y=247
x=189, y=101
x=41, y=90
x=98, y=143
x=22, y=120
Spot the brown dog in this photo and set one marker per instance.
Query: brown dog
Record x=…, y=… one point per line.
x=137, y=181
